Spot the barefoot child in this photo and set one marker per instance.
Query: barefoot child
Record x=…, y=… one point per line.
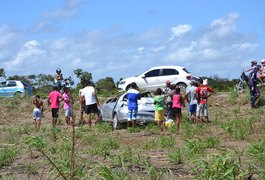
x=178, y=103
x=68, y=111
x=37, y=111
x=159, y=102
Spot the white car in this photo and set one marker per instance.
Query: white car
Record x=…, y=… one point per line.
x=156, y=77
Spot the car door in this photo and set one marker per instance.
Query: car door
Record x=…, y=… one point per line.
x=170, y=74
x=2, y=89
x=11, y=88
x=107, y=108
x=150, y=80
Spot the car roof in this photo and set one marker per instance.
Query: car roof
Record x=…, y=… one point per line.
x=163, y=67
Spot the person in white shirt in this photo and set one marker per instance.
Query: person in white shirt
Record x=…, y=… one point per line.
x=88, y=95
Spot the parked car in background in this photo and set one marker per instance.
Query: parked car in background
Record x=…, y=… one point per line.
x=115, y=109
x=12, y=88
x=156, y=77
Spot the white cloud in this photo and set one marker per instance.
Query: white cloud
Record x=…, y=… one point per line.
x=28, y=51
x=226, y=25
x=59, y=44
x=50, y=19
x=8, y=36
x=180, y=30
x=216, y=48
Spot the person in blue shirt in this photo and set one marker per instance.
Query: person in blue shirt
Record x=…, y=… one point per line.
x=132, y=97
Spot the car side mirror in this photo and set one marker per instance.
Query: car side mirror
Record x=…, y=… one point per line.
x=143, y=76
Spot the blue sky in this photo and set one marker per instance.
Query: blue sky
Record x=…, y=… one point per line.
x=122, y=38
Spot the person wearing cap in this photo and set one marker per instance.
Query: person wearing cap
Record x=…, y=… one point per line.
x=166, y=89
x=89, y=95
x=54, y=99
x=254, y=64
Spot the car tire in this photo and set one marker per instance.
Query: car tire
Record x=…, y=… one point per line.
x=182, y=86
x=115, y=122
x=127, y=87
x=18, y=94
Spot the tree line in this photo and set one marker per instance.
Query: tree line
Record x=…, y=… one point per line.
x=42, y=83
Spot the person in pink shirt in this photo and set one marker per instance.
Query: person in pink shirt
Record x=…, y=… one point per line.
x=68, y=110
x=178, y=103
x=54, y=99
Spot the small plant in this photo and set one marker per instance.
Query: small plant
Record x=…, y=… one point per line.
x=223, y=166
x=7, y=155
x=194, y=146
x=175, y=157
x=31, y=169
x=238, y=128
x=104, y=127
x=257, y=150
x=211, y=142
x=166, y=141
x=104, y=147
x=150, y=144
x=232, y=98
x=134, y=129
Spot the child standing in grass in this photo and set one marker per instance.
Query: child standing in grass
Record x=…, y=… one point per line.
x=178, y=103
x=54, y=99
x=37, y=111
x=68, y=110
x=159, y=102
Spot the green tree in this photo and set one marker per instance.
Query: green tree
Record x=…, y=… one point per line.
x=106, y=84
x=2, y=72
x=82, y=76
x=20, y=78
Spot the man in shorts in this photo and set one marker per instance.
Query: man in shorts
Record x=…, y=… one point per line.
x=54, y=99
x=202, y=93
x=88, y=95
x=190, y=97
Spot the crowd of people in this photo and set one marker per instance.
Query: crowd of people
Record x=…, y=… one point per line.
x=170, y=101
x=89, y=103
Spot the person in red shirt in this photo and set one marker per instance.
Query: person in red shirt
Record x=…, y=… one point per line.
x=202, y=93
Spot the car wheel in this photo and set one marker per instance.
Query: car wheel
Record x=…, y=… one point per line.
x=18, y=94
x=127, y=87
x=115, y=121
x=182, y=87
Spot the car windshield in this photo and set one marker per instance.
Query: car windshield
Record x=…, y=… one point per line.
x=184, y=69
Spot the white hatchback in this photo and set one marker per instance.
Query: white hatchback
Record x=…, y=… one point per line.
x=156, y=77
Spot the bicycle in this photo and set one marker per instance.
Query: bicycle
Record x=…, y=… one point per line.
x=240, y=86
